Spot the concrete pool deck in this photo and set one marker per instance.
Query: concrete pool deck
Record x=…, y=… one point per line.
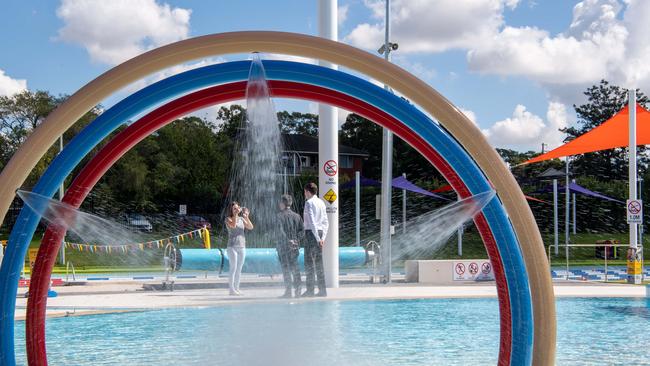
x=115, y=296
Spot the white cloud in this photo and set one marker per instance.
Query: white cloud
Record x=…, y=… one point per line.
x=469, y=114
x=606, y=39
x=342, y=13
x=432, y=25
x=424, y=72
x=10, y=86
x=593, y=44
x=526, y=131
x=114, y=31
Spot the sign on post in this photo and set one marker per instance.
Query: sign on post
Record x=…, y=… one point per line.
x=634, y=210
x=182, y=209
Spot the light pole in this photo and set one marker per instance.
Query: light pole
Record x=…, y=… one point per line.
x=386, y=168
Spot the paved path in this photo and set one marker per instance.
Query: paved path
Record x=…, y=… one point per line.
x=129, y=296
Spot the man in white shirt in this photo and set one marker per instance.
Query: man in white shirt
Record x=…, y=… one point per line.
x=316, y=225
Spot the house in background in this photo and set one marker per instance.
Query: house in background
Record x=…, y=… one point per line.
x=300, y=154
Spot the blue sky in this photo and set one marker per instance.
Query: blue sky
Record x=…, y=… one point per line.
x=515, y=66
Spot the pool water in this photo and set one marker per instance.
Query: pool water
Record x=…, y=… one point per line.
x=387, y=332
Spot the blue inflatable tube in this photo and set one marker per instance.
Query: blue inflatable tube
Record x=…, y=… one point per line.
x=258, y=260
x=172, y=87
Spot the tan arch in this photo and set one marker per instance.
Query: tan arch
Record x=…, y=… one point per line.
x=20, y=165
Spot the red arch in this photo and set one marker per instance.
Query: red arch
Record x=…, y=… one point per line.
x=125, y=140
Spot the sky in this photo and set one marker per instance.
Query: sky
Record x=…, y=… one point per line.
x=514, y=67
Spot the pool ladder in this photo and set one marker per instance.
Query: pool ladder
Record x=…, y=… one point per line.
x=68, y=266
x=373, y=253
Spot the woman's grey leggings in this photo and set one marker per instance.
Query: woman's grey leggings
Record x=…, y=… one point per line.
x=236, y=257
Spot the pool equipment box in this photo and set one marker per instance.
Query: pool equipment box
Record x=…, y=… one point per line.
x=444, y=272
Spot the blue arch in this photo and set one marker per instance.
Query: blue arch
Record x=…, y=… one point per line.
x=172, y=87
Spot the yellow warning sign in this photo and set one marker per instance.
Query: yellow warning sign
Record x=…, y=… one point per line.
x=330, y=196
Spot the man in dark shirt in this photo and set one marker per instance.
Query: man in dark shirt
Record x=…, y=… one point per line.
x=291, y=230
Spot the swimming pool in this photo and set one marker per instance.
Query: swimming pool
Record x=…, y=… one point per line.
x=386, y=332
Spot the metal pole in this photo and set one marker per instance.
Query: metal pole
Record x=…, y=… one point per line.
x=567, y=218
x=606, y=247
x=640, y=194
x=61, y=194
x=632, y=176
x=285, y=179
x=567, y=260
x=386, y=174
x=555, y=218
x=357, y=206
x=328, y=152
x=573, y=197
x=641, y=232
x=460, y=237
x=404, y=207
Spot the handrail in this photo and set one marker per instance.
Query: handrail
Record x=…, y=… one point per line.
x=605, y=245
x=69, y=265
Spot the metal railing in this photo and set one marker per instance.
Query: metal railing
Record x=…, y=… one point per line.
x=69, y=266
x=608, y=248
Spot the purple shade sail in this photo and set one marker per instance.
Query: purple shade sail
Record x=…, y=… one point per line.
x=578, y=189
x=399, y=183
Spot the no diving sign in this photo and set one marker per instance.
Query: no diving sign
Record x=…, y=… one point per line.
x=634, y=211
x=330, y=168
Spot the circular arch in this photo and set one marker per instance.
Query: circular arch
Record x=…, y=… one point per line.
x=301, y=45
x=136, y=132
x=418, y=125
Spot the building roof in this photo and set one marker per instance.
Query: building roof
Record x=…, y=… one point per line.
x=309, y=145
x=551, y=173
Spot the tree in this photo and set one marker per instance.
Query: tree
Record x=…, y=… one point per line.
x=20, y=114
x=298, y=123
x=363, y=134
x=603, y=101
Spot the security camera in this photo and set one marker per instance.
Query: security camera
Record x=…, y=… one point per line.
x=392, y=47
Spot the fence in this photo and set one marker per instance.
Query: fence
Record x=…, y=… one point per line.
x=608, y=251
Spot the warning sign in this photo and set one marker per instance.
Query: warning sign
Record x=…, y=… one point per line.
x=634, y=211
x=473, y=270
x=330, y=196
x=330, y=168
x=33, y=252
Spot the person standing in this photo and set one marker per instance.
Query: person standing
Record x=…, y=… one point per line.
x=316, y=225
x=291, y=230
x=236, y=250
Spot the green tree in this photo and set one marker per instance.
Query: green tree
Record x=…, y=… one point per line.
x=20, y=114
x=364, y=134
x=298, y=123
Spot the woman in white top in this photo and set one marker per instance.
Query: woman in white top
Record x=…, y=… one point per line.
x=236, y=250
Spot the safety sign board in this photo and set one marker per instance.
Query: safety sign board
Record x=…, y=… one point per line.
x=330, y=196
x=473, y=270
x=634, y=211
x=330, y=168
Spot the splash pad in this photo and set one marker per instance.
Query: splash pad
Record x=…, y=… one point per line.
x=460, y=152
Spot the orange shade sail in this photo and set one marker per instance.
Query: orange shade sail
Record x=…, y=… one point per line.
x=611, y=134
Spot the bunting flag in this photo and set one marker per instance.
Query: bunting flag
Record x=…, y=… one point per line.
x=125, y=248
